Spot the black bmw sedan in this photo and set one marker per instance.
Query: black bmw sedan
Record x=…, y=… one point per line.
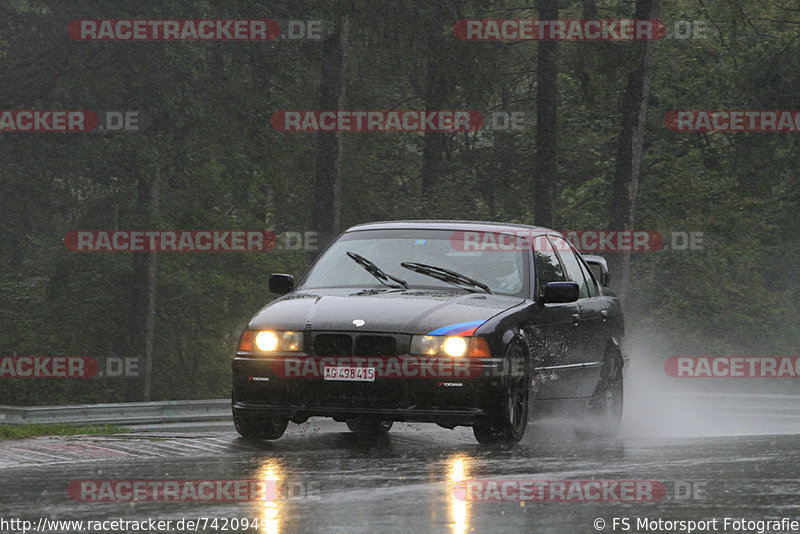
x=450, y=322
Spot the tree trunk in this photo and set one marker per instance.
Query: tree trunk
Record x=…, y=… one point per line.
x=438, y=83
x=629, y=148
x=328, y=178
x=544, y=169
x=143, y=301
x=432, y=142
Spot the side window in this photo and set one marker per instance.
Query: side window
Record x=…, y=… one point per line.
x=590, y=282
x=596, y=271
x=548, y=268
x=572, y=264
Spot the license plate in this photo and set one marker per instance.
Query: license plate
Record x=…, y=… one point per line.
x=350, y=374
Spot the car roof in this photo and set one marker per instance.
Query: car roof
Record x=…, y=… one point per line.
x=433, y=224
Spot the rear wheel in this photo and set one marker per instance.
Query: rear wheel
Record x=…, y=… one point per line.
x=258, y=427
x=369, y=427
x=509, y=419
x=605, y=407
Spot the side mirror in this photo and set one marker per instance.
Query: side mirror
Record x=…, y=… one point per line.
x=281, y=283
x=599, y=267
x=558, y=292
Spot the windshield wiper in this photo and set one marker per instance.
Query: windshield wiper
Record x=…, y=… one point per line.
x=376, y=271
x=445, y=275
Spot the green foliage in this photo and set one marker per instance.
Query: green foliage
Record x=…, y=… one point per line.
x=222, y=166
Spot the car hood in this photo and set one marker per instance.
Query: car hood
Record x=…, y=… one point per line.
x=434, y=312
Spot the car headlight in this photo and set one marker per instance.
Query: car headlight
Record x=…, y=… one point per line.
x=453, y=346
x=271, y=341
x=267, y=340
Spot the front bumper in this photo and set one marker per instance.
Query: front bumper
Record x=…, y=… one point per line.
x=288, y=386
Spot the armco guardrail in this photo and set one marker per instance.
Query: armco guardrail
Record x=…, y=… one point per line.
x=127, y=413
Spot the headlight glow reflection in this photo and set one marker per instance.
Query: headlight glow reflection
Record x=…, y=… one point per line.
x=458, y=508
x=269, y=507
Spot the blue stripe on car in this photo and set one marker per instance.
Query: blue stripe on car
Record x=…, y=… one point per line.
x=457, y=327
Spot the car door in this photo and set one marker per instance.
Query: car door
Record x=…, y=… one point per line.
x=590, y=332
x=595, y=312
x=555, y=330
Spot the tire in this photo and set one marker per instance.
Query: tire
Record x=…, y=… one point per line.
x=509, y=419
x=369, y=427
x=605, y=407
x=259, y=427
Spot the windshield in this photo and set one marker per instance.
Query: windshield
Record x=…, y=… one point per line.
x=505, y=272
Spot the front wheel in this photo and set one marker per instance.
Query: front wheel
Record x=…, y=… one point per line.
x=257, y=427
x=510, y=419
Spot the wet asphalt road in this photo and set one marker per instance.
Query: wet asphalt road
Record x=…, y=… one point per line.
x=712, y=464
x=405, y=483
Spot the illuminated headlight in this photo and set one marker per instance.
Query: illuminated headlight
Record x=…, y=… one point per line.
x=454, y=346
x=278, y=340
x=267, y=340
